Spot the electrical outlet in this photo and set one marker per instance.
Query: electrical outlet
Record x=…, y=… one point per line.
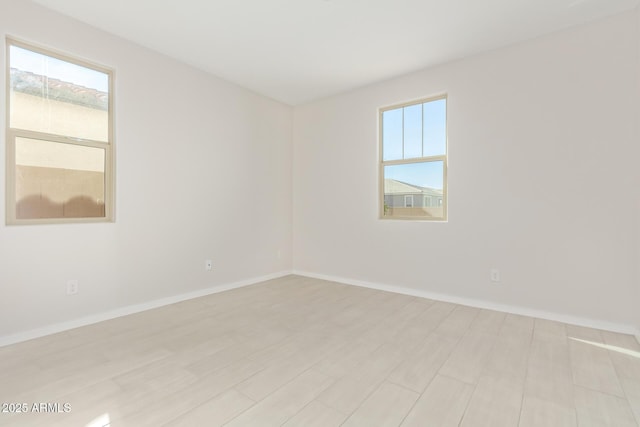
x=495, y=275
x=72, y=287
x=208, y=265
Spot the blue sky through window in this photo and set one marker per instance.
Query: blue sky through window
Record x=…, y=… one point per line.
x=435, y=127
x=44, y=65
x=414, y=131
x=418, y=130
x=424, y=174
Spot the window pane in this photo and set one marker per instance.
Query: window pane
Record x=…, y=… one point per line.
x=423, y=181
x=55, y=180
x=435, y=128
x=54, y=96
x=392, y=134
x=413, y=131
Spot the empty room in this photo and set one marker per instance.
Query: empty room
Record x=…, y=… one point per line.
x=320, y=213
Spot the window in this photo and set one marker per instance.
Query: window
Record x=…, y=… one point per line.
x=408, y=201
x=59, y=138
x=413, y=160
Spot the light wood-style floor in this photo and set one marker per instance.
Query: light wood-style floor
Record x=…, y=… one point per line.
x=304, y=352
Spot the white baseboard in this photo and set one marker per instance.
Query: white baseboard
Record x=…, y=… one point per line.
x=131, y=309
x=524, y=311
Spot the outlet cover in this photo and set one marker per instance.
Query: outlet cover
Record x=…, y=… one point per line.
x=72, y=287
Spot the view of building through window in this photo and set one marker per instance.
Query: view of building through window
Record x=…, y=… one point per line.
x=59, y=138
x=413, y=140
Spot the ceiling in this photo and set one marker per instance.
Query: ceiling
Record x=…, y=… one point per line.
x=296, y=51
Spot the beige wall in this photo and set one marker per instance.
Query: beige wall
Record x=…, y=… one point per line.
x=58, y=193
x=58, y=180
x=187, y=147
x=542, y=180
x=60, y=118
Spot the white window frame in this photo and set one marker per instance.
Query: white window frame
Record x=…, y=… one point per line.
x=425, y=159
x=13, y=133
x=408, y=197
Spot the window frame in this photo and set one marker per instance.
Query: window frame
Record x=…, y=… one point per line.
x=408, y=197
x=12, y=134
x=423, y=159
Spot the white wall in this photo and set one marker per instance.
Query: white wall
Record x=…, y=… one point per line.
x=545, y=130
x=636, y=300
x=203, y=170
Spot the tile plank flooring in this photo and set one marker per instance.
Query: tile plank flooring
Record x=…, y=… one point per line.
x=303, y=352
